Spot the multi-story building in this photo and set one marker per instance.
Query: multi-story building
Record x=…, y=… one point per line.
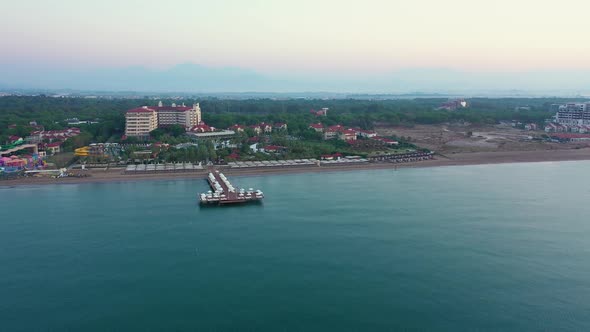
x=237, y=128
x=322, y=112
x=318, y=127
x=347, y=135
x=178, y=115
x=53, y=135
x=452, y=105
x=575, y=114
x=365, y=133
x=261, y=128
x=333, y=132
x=141, y=121
x=279, y=126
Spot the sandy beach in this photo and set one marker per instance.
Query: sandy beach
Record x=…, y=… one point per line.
x=456, y=159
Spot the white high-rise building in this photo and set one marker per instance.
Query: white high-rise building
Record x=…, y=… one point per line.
x=185, y=116
x=141, y=121
x=575, y=114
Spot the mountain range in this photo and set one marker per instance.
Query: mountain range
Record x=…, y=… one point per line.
x=202, y=79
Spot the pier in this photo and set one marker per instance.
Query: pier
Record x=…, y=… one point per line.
x=223, y=192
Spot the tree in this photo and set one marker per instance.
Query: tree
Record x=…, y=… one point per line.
x=202, y=152
x=77, y=142
x=176, y=130
x=211, y=151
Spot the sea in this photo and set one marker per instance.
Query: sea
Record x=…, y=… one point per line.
x=464, y=248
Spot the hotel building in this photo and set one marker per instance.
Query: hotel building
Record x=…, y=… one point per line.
x=575, y=114
x=141, y=121
x=178, y=115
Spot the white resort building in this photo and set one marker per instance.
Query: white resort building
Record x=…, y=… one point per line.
x=141, y=121
x=575, y=114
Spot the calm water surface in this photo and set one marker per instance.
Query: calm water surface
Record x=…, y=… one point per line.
x=502, y=247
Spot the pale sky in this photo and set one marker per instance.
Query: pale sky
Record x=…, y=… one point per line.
x=299, y=36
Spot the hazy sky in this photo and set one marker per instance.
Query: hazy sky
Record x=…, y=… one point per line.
x=275, y=36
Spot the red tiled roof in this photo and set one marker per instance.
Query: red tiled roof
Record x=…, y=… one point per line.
x=316, y=125
x=160, y=108
x=141, y=110
x=336, y=128
x=332, y=156
x=171, y=108
x=202, y=128
x=57, y=133
x=54, y=145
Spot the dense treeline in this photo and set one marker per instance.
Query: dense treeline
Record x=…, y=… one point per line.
x=51, y=112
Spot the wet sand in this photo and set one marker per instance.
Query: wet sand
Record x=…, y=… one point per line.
x=457, y=159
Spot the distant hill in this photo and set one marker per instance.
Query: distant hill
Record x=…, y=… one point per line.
x=182, y=78
x=196, y=78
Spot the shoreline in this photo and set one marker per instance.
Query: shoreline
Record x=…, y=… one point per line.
x=457, y=159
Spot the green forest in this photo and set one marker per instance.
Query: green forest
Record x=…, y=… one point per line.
x=51, y=113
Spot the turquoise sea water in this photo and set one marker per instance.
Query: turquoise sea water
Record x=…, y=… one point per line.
x=497, y=247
